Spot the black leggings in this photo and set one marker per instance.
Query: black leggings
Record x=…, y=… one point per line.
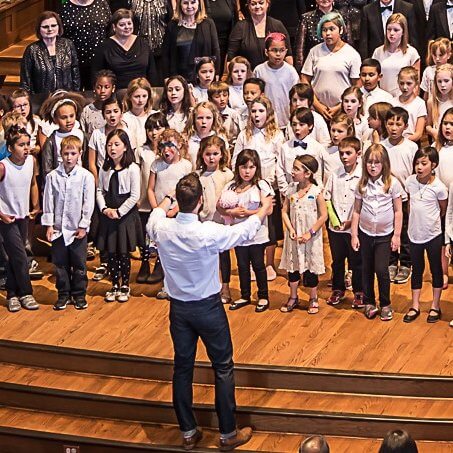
x=254, y=255
x=225, y=266
x=309, y=280
x=119, y=267
x=434, y=250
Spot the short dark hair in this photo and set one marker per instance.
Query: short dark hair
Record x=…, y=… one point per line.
x=303, y=115
x=371, y=63
x=113, y=99
x=398, y=441
x=128, y=156
x=314, y=444
x=188, y=192
x=48, y=15
x=107, y=73
x=353, y=142
x=256, y=81
x=428, y=151
x=304, y=91
x=397, y=112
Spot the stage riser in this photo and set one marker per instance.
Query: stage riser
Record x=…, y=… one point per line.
x=245, y=375
x=102, y=406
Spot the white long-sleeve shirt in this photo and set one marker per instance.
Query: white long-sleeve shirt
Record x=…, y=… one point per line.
x=189, y=251
x=68, y=201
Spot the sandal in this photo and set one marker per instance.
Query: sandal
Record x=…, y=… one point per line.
x=434, y=318
x=290, y=305
x=313, y=306
x=411, y=315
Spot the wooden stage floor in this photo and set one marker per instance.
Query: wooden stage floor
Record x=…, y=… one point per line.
x=337, y=338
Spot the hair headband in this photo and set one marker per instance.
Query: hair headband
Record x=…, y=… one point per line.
x=59, y=103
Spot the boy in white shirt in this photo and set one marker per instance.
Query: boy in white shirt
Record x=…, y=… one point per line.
x=278, y=75
x=69, y=196
x=370, y=75
x=302, y=143
x=401, y=153
x=253, y=88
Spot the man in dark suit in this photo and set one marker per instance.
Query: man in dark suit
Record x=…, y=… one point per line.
x=438, y=20
x=422, y=23
x=375, y=15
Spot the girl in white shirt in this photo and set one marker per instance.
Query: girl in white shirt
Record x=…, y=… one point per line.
x=441, y=98
x=212, y=160
x=439, y=53
x=263, y=135
x=352, y=105
x=239, y=70
x=137, y=104
x=376, y=227
x=204, y=120
x=176, y=102
x=428, y=203
x=250, y=189
x=396, y=53
x=205, y=70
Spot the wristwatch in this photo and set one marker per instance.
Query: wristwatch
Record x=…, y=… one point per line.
x=172, y=200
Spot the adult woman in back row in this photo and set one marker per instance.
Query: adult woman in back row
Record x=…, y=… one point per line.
x=126, y=54
x=248, y=36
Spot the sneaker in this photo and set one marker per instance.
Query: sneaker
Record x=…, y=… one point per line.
x=80, y=303
x=403, y=275
x=386, y=313
x=348, y=280
x=13, y=304
x=28, y=302
x=393, y=270
x=34, y=272
x=371, y=311
x=162, y=294
x=271, y=274
x=91, y=252
x=100, y=273
x=358, y=300
x=336, y=297
x=123, y=294
x=110, y=295
x=242, y=436
x=62, y=302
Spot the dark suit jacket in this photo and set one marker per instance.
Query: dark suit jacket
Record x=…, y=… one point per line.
x=422, y=23
x=372, y=32
x=437, y=26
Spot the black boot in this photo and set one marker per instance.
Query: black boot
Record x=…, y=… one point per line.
x=143, y=273
x=157, y=274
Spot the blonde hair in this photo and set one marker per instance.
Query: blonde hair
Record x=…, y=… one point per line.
x=379, y=153
x=343, y=118
x=410, y=72
x=434, y=96
x=238, y=60
x=133, y=86
x=200, y=16
x=71, y=141
x=217, y=122
x=441, y=45
x=399, y=19
x=13, y=119
x=171, y=134
x=270, y=127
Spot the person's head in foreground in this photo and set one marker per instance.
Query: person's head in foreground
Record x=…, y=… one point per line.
x=314, y=444
x=398, y=441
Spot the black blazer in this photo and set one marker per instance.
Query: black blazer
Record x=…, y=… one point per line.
x=422, y=25
x=205, y=44
x=437, y=26
x=372, y=32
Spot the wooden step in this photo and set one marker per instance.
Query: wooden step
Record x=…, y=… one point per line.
x=276, y=410
x=291, y=378
x=11, y=57
x=26, y=430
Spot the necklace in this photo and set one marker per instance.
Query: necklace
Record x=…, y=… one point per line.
x=422, y=187
x=187, y=24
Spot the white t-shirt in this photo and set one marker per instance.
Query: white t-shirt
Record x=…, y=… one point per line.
x=331, y=162
x=391, y=63
x=424, y=214
x=427, y=79
x=331, y=71
x=168, y=175
x=236, y=98
x=136, y=127
x=177, y=121
x=373, y=97
x=200, y=94
x=416, y=109
x=444, y=170
x=377, y=215
x=278, y=83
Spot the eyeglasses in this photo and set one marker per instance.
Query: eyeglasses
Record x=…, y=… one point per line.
x=164, y=145
x=48, y=27
x=21, y=106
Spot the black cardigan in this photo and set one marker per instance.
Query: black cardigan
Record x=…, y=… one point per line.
x=205, y=44
x=243, y=40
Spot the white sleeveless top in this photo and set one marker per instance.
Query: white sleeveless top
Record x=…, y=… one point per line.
x=15, y=188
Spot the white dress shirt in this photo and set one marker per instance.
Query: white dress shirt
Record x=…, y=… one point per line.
x=68, y=201
x=189, y=251
x=386, y=14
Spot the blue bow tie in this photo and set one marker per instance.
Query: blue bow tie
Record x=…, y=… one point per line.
x=386, y=8
x=300, y=143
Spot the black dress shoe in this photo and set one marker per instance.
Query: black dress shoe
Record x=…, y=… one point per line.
x=262, y=307
x=158, y=273
x=408, y=317
x=143, y=272
x=239, y=304
x=434, y=318
x=189, y=443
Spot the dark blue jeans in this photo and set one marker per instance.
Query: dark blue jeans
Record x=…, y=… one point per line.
x=205, y=319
